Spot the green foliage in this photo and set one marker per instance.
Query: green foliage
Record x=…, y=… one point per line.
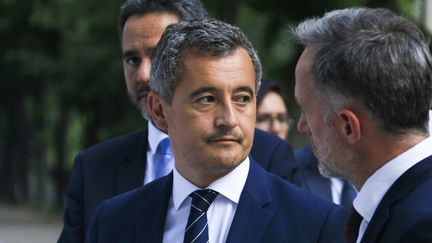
x=61, y=71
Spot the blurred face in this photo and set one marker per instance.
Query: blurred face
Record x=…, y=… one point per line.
x=272, y=115
x=211, y=119
x=140, y=36
x=332, y=154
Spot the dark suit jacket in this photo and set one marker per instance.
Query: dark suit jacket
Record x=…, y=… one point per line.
x=405, y=212
x=117, y=165
x=308, y=174
x=269, y=210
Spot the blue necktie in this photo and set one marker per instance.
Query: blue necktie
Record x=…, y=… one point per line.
x=196, y=229
x=348, y=195
x=163, y=159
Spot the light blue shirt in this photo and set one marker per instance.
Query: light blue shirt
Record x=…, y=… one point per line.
x=154, y=137
x=220, y=213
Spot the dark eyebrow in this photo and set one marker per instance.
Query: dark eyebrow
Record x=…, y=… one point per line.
x=128, y=53
x=202, y=90
x=199, y=91
x=246, y=89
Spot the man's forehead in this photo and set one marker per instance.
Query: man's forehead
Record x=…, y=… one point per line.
x=304, y=75
x=149, y=25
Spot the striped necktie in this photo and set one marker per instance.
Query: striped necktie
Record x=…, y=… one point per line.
x=197, y=227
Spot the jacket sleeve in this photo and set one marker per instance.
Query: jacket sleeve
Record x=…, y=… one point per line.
x=73, y=223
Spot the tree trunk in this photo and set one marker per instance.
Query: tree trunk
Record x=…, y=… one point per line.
x=13, y=173
x=40, y=144
x=60, y=176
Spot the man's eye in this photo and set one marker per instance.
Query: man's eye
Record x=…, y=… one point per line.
x=134, y=61
x=206, y=100
x=242, y=99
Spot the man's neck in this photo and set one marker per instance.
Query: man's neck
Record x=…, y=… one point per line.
x=383, y=150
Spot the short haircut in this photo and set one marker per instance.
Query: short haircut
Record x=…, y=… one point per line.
x=372, y=58
x=185, y=10
x=208, y=37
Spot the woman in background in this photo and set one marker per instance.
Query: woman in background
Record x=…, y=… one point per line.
x=272, y=110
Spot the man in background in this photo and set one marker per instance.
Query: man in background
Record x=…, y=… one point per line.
x=364, y=85
x=132, y=160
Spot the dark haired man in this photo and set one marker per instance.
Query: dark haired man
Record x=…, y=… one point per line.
x=129, y=161
x=204, y=80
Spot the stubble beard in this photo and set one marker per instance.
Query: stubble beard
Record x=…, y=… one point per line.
x=333, y=158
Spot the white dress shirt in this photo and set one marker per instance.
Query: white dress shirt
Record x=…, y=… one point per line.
x=220, y=213
x=336, y=186
x=378, y=184
x=430, y=122
x=154, y=137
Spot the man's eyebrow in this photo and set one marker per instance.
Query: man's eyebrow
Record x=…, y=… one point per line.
x=247, y=89
x=128, y=53
x=202, y=90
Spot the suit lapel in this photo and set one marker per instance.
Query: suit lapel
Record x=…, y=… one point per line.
x=403, y=185
x=253, y=214
x=130, y=173
x=150, y=219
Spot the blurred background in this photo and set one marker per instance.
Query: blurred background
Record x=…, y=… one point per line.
x=62, y=86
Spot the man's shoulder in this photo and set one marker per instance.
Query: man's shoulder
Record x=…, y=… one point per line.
x=406, y=209
x=292, y=196
x=294, y=207
x=118, y=143
x=409, y=197
x=286, y=191
x=417, y=201
x=265, y=138
x=273, y=154
x=305, y=157
x=153, y=193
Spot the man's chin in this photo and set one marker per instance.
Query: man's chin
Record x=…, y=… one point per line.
x=324, y=170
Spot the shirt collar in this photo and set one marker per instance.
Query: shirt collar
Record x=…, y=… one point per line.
x=430, y=122
x=378, y=184
x=155, y=136
x=230, y=186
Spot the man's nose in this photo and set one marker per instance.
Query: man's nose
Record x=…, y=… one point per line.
x=227, y=116
x=143, y=73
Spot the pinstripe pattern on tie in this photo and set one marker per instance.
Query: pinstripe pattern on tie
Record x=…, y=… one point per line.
x=197, y=226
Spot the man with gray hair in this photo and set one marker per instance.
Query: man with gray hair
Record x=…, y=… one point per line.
x=204, y=79
x=364, y=85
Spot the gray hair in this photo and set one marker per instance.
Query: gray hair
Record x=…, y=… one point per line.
x=375, y=59
x=203, y=37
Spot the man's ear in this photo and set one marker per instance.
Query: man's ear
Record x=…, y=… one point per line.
x=350, y=126
x=156, y=110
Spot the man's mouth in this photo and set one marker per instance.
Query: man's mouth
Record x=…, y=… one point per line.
x=225, y=139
